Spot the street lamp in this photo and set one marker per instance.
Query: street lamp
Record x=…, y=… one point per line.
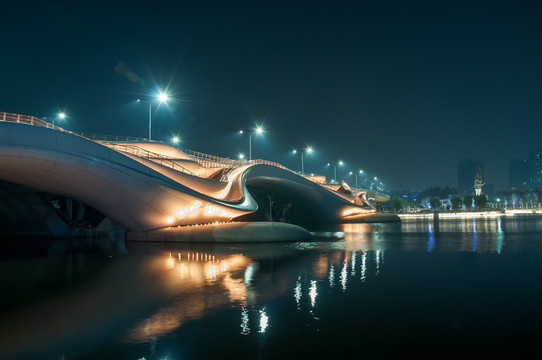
x=258, y=130
x=60, y=116
x=360, y=172
x=375, y=180
x=161, y=97
x=308, y=150
x=175, y=140
x=335, y=169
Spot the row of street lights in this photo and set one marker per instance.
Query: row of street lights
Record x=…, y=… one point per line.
x=307, y=150
x=163, y=97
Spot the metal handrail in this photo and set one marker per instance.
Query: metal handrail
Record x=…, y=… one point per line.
x=104, y=137
x=205, y=160
x=149, y=155
x=212, y=159
x=31, y=120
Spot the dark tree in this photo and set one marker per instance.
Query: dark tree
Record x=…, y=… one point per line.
x=456, y=202
x=434, y=202
x=396, y=203
x=480, y=201
x=467, y=201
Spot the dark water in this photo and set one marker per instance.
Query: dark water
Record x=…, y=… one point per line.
x=460, y=289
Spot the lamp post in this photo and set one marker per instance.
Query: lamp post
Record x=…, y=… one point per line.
x=375, y=179
x=308, y=150
x=258, y=130
x=360, y=172
x=351, y=173
x=60, y=116
x=162, y=97
x=335, y=169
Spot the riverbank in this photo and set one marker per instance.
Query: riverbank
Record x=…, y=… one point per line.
x=471, y=214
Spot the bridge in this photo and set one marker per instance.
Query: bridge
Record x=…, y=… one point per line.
x=157, y=191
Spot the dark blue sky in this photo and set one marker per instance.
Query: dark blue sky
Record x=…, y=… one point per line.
x=401, y=89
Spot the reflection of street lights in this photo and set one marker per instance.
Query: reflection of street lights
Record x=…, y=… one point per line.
x=258, y=130
x=308, y=150
x=162, y=97
x=60, y=116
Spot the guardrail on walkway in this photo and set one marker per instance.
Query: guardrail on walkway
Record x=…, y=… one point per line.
x=205, y=160
x=30, y=120
x=103, y=137
x=145, y=154
x=212, y=159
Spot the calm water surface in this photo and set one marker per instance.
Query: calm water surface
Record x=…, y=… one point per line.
x=460, y=288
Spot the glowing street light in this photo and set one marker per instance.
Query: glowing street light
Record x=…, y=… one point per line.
x=308, y=150
x=375, y=180
x=340, y=163
x=162, y=98
x=175, y=140
x=258, y=130
x=60, y=116
x=360, y=172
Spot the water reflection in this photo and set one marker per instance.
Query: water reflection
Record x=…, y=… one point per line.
x=156, y=289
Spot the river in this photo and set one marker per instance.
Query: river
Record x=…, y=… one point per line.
x=462, y=288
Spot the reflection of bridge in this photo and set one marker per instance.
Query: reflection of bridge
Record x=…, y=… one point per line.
x=146, y=186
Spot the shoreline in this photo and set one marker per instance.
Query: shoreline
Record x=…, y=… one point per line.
x=471, y=214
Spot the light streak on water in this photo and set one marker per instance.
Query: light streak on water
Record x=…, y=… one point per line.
x=245, y=328
x=353, y=273
x=364, y=266
x=344, y=272
x=331, y=275
x=431, y=241
x=297, y=291
x=313, y=293
x=500, y=236
x=264, y=320
x=249, y=274
x=378, y=259
x=474, y=245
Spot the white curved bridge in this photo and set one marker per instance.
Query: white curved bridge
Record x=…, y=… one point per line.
x=151, y=187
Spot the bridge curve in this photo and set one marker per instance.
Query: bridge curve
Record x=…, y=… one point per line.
x=143, y=195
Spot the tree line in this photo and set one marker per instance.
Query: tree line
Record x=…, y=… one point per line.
x=431, y=198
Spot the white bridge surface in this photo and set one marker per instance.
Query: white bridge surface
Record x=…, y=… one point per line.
x=159, y=186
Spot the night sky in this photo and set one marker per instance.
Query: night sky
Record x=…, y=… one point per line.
x=400, y=89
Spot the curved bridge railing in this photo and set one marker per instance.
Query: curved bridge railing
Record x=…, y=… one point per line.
x=204, y=160
x=207, y=160
x=149, y=155
x=31, y=120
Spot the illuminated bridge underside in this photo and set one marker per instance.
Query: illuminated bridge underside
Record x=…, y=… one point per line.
x=143, y=194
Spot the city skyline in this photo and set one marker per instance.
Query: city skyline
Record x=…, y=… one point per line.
x=403, y=91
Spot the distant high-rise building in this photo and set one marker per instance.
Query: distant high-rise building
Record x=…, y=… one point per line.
x=519, y=174
x=535, y=160
x=489, y=190
x=466, y=173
